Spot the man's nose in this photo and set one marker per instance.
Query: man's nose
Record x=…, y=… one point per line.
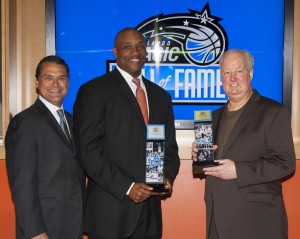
x=55, y=82
x=135, y=50
x=233, y=76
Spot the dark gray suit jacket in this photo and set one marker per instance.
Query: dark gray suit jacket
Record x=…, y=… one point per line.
x=261, y=145
x=46, y=181
x=110, y=136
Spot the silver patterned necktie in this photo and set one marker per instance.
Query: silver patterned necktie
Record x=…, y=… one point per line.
x=63, y=124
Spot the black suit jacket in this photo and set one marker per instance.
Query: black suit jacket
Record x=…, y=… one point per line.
x=110, y=136
x=261, y=145
x=46, y=180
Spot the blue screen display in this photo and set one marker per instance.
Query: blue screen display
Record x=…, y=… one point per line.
x=185, y=39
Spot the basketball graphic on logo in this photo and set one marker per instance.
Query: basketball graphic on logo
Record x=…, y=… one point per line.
x=195, y=38
x=203, y=46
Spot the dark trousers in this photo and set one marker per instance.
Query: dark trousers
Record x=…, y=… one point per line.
x=213, y=234
x=141, y=231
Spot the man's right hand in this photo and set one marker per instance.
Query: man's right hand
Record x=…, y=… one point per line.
x=194, y=150
x=141, y=192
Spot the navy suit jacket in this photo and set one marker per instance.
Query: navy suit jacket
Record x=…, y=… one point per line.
x=110, y=136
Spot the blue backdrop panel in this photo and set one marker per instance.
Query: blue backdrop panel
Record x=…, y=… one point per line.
x=85, y=32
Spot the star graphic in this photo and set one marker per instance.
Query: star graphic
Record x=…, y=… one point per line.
x=204, y=18
x=161, y=28
x=185, y=23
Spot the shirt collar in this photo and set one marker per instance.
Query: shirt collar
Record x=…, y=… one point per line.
x=129, y=77
x=51, y=107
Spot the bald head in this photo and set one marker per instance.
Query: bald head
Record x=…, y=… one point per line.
x=125, y=31
x=130, y=51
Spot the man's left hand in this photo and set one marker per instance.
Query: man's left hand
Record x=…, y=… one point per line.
x=168, y=186
x=226, y=170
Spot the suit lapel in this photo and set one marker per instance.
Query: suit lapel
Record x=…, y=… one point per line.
x=240, y=124
x=127, y=93
x=51, y=121
x=216, y=124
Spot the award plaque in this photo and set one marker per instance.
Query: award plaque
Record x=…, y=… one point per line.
x=204, y=141
x=155, y=154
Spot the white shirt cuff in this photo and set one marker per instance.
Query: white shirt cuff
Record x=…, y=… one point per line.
x=128, y=191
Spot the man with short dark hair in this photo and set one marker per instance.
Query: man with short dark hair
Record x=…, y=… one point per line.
x=46, y=182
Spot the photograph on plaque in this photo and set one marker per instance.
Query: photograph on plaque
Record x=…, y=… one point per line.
x=204, y=141
x=155, y=152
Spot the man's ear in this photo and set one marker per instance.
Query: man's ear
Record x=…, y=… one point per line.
x=251, y=75
x=115, y=52
x=36, y=86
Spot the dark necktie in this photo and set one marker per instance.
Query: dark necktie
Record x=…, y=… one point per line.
x=63, y=124
x=141, y=99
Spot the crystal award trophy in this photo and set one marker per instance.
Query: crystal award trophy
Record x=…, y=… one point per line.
x=155, y=154
x=204, y=141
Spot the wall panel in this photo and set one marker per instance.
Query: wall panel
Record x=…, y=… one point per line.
x=296, y=80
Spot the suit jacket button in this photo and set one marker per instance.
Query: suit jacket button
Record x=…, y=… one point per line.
x=22, y=231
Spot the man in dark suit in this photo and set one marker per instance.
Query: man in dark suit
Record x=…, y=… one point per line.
x=255, y=150
x=46, y=181
x=110, y=136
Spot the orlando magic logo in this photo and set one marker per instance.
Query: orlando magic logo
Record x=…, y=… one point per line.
x=195, y=38
x=183, y=52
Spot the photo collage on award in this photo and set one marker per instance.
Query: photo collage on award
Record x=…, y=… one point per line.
x=155, y=152
x=204, y=141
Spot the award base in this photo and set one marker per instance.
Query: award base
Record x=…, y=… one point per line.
x=159, y=188
x=198, y=166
